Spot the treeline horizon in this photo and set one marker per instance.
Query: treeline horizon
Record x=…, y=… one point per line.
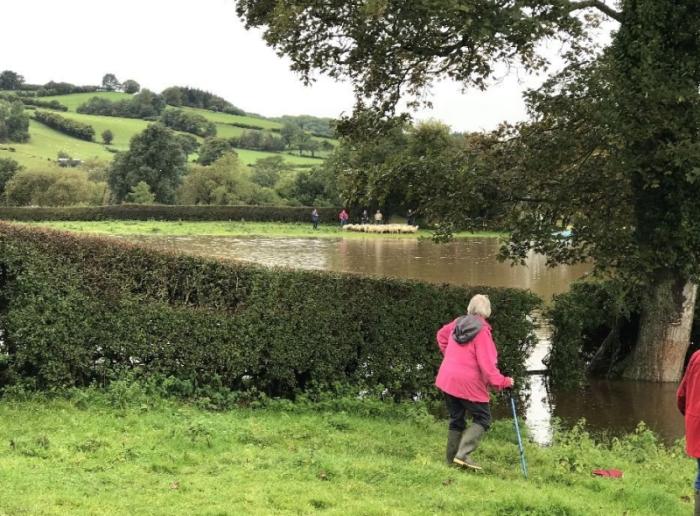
x=176, y=96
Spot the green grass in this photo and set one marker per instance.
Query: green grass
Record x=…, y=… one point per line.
x=123, y=129
x=73, y=100
x=224, y=228
x=124, y=452
x=225, y=118
x=44, y=145
x=251, y=156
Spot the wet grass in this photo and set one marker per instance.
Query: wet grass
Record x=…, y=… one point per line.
x=104, y=454
x=225, y=228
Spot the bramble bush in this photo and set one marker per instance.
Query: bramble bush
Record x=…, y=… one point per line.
x=82, y=310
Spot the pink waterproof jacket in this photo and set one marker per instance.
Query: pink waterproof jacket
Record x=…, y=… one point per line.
x=468, y=370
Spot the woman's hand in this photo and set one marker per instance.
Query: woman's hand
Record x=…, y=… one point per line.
x=509, y=383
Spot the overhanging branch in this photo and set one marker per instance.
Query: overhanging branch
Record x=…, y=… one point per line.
x=596, y=4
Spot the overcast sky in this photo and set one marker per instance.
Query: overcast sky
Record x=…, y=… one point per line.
x=201, y=43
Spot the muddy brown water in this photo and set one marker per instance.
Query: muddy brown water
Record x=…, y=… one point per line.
x=610, y=408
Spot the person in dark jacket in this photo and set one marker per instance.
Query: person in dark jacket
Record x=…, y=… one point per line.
x=469, y=368
x=314, y=218
x=688, y=398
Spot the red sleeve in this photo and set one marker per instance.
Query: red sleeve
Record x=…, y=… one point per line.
x=487, y=358
x=443, y=336
x=681, y=394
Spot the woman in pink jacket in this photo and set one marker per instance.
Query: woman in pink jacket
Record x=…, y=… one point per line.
x=467, y=371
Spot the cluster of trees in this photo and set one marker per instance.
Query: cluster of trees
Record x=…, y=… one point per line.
x=155, y=168
x=14, y=123
x=422, y=166
x=10, y=80
x=70, y=127
x=53, y=186
x=258, y=140
x=111, y=83
x=193, y=123
x=322, y=127
x=196, y=98
x=54, y=88
x=145, y=104
x=296, y=138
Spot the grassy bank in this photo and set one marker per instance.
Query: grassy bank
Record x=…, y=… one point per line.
x=123, y=452
x=217, y=228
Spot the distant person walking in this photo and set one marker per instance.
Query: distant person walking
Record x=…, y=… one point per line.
x=378, y=217
x=411, y=217
x=314, y=218
x=688, y=398
x=365, y=217
x=468, y=369
x=343, y=216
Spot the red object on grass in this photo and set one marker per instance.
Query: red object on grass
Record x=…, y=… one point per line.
x=614, y=473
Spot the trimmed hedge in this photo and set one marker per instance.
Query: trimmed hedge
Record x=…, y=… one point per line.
x=169, y=212
x=78, y=310
x=66, y=125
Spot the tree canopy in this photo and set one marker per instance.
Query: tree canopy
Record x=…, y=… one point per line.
x=612, y=149
x=14, y=122
x=155, y=157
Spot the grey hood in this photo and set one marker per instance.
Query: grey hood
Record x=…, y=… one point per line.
x=467, y=327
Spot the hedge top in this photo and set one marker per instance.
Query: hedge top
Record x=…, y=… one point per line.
x=168, y=212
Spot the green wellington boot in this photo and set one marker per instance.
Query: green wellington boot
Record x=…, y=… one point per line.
x=453, y=439
x=468, y=443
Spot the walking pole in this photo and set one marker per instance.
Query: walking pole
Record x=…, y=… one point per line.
x=523, y=463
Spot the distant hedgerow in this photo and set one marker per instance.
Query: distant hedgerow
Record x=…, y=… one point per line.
x=66, y=125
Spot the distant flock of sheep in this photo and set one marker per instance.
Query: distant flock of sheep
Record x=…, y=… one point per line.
x=381, y=228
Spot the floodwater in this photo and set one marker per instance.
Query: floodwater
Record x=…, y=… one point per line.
x=469, y=261
x=609, y=407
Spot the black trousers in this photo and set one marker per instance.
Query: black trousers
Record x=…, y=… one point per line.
x=459, y=408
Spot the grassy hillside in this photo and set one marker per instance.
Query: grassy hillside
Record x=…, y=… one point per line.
x=123, y=128
x=128, y=452
x=45, y=143
x=74, y=100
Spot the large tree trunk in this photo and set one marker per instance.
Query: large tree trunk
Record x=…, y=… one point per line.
x=664, y=330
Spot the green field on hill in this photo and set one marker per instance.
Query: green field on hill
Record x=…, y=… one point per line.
x=45, y=143
x=73, y=100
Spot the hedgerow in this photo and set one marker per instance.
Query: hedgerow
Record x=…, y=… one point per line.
x=66, y=125
x=47, y=104
x=79, y=310
x=168, y=212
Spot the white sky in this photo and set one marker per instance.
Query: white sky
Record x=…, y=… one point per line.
x=201, y=43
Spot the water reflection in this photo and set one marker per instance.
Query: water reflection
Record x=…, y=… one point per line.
x=462, y=262
x=609, y=407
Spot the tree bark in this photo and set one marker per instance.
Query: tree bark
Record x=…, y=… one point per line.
x=664, y=330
